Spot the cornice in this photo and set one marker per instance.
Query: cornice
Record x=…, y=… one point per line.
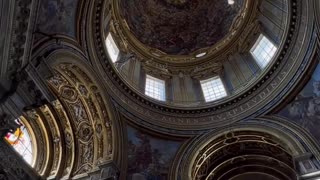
x=21, y=38
x=317, y=17
x=293, y=61
x=242, y=33
x=133, y=45
x=291, y=136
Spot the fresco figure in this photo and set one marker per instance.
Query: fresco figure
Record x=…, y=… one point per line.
x=305, y=108
x=173, y=26
x=57, y=17
x=149, y=158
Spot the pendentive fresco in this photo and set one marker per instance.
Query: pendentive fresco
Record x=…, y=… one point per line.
x=57, y=17
x=305, y=108
x=149, y=158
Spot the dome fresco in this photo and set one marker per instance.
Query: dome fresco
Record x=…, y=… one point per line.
x=231, y=97
x=179, y=27
x=162, y=39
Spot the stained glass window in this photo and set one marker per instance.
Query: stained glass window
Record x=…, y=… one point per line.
x=155, y=88
x=21, y=142
x=112, y=48
x=263, y=51
x=213, y=89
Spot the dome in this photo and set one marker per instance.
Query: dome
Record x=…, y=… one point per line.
x=155, y=89
x=179, y=27
x=189, y=53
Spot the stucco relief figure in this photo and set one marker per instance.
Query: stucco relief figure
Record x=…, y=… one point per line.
x=68, y=139
x=78, y=111
x=305, y=109
x=124, y=60
x=57, y=81
x=87, y=154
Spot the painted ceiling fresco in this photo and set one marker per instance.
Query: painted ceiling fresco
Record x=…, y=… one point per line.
x=179, y=26
x=305, y=108
x=149, y=158
x=57, y=17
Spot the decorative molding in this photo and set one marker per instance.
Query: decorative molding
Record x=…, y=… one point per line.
x=295, y=55
x=88, y=114
x=291, y=137
x=69, y=139
x=317, y=17
x=163, y=65
x=42, y=142
x=21, y=38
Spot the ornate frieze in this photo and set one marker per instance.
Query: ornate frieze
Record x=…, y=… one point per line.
x=19, y=39
x=126, y=32
x=41, y=138
x=290, y=64
x=81, y=123
x=69, y=139
x=89, y=118
x=278, y=140
x=165, y=65
x=56, y=139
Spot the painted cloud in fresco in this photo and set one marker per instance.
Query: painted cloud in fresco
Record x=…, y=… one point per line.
x=149, y=158
x=305, y=109
x=58, y=17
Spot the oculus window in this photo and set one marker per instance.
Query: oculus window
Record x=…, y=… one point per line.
x=21, y=141
x=213, y=89
x=155, y=88
x=112, y=48
x=263, y=51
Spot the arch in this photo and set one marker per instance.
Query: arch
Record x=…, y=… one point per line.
x=317, y=16
x=292, y=61
x=86, y=107
x=84, y=114
x=55, y=147
x=289, y=137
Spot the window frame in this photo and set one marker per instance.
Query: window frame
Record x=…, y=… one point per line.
x=208, y=96
x=256, y=44
x=162, y=91
x=33, y=142
x=114, y=47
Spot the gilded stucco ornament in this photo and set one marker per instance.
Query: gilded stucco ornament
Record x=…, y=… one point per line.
x=213, y=53
x=295, y=56
x=267, y=141
x=83, y=101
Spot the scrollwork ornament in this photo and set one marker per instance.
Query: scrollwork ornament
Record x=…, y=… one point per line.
x=85, y=132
